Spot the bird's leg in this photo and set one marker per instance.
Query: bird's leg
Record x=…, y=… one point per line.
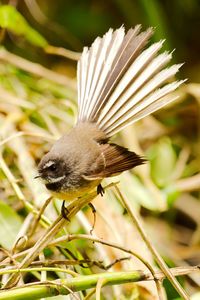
x=64, y=211
x=94, y=214
x=100, y=190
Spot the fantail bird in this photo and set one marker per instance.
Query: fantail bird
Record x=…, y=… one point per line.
x=118, y=83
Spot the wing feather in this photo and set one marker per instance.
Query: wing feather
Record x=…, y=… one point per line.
x=116, y=159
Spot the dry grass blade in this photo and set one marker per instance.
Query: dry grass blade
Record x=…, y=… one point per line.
x=35, y=69
x=157, y=256
x=63, y=52
x=59, y=223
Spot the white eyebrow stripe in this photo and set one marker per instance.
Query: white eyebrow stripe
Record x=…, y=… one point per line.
x=53, y=180
x=49, y=164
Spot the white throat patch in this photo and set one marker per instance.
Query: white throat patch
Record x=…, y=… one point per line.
x=53, y=180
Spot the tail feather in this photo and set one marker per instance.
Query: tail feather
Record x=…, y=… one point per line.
x=128, y=52
x=155, y=101
x=138, y=74
x=126, y=103
x=93, y=70
x=103, y=70
x=118, y=83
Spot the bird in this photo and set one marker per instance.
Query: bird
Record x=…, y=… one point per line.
x=120, y=80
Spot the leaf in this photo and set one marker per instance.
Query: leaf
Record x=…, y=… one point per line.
x=163, y=159
x=135, y=191
x=13, y=21
x=10, y=224
x=171, y=194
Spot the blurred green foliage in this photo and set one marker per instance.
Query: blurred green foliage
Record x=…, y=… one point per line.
x=13, y=21
x=42, y=105
x=10, y=224
x=72, y=24
x=163, y=160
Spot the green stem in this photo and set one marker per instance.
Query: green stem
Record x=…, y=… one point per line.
x=64, y=286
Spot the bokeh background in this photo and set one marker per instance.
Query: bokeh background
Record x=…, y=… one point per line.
x=38, y=102
x=74, y=24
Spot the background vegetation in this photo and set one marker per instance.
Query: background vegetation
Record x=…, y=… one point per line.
x=38, y=104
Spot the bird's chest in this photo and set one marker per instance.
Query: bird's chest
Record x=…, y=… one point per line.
x=73, y=193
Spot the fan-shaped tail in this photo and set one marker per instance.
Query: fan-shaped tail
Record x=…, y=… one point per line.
x=120, y=83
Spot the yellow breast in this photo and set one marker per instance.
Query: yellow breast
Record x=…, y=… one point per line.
x=76, y=193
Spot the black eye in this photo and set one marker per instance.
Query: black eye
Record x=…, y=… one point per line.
x=53, y=167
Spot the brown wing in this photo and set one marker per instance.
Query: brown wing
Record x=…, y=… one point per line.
x=116, y=159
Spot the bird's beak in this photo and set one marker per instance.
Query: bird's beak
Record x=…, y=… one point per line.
x=37, y=176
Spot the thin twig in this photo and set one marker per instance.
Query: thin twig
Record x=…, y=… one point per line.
x=159, y=275
x=111, y=244
x=23, y=133
x=8, y=97
x=38, y=289
x=100, y=283
x=62, y=52
x=160, y=289
x=150, y=246
x=71, y=237
x=13, y=182
x=37, y=248
x=90, y=294
x=54, y=27
x=36, y=69
x=39, y=216
x=189, y=184
x=72, y=208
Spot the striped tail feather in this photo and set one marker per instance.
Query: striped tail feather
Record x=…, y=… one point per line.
x=120, y=83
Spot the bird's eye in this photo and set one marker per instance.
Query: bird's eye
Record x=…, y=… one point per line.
x=53, y=167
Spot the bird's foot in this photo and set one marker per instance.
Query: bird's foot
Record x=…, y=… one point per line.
x=94, y=214
x=100, y=190
x=65, y=212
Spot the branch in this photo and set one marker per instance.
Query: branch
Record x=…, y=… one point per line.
x=65, y=286
x=63, y=52
x=150, y=246
x=189, y=184
x=72, y=237
x=36, y=69
x=59, y=223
